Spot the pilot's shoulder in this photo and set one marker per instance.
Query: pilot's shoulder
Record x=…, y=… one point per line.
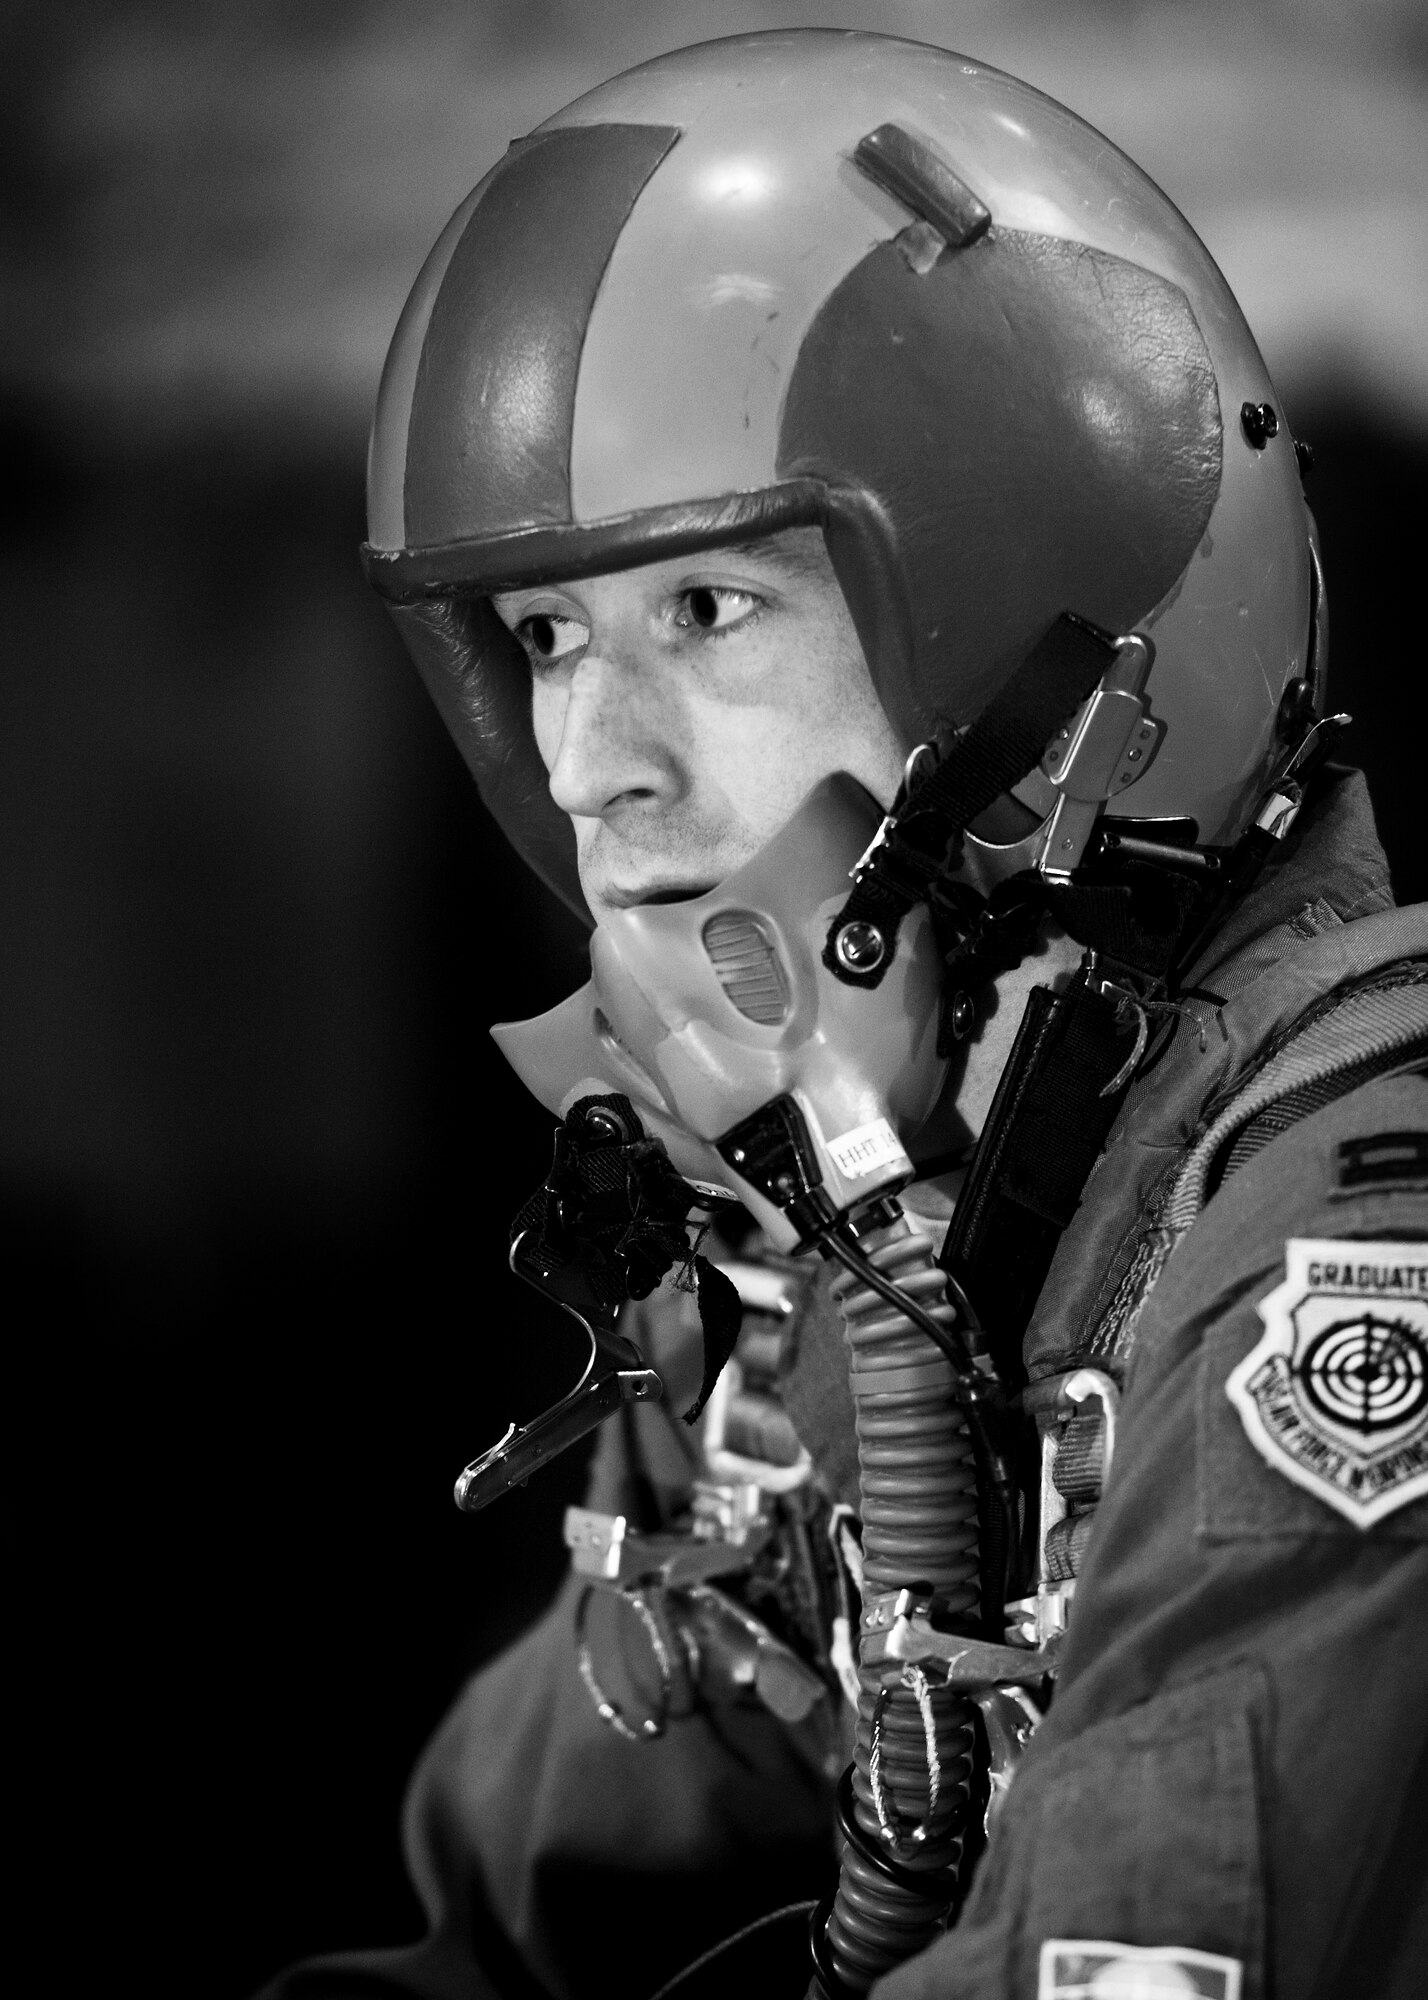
x=1300, y=1298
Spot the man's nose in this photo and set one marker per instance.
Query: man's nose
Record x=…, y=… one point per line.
x=615, y=744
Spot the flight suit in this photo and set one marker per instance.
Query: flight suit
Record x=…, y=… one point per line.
x=1232, y=1771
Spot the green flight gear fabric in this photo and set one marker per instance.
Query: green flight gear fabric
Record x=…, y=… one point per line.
x=1236, y=1758
x=1233, y=1769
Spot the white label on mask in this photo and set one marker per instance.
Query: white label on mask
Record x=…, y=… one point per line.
x=866, y=1148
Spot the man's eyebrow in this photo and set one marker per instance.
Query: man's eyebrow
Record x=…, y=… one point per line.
x=803, y=553
x=807, y=556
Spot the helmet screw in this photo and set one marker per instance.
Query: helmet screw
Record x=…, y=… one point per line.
x=961, y=1016
x=1259, y=423
x=860, y=947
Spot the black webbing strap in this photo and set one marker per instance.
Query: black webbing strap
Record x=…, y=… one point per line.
x=1135, y=922
x=1047, y=1125
x=1002, y=745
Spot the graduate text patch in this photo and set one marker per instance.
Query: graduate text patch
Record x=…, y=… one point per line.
x=1335, y=1396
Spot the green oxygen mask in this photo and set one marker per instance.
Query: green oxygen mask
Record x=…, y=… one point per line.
x=705, y=1012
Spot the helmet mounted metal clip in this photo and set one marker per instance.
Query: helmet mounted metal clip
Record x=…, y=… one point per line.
x=1104, y=749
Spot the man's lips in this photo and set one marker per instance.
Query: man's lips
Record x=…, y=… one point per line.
x=656, y=892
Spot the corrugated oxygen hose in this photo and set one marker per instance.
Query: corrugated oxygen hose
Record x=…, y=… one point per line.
x=918, y=1485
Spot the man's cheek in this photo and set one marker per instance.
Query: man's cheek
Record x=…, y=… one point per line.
x=768, y=771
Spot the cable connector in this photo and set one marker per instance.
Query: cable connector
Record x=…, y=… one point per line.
x=771, y=1150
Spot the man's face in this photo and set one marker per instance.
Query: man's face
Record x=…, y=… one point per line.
x=685, y=710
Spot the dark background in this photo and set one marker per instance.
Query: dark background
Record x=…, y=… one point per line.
x=257, y=1155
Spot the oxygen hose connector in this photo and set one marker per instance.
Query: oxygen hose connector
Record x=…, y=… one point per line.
x=904, y=1803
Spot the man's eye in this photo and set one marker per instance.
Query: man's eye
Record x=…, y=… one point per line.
x=712, y=607
x=547, y=636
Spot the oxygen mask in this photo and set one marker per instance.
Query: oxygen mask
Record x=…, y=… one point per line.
x=706, y=1012
x=713, y=1057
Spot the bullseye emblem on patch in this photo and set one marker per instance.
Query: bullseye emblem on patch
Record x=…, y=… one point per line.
x=1335, y=1396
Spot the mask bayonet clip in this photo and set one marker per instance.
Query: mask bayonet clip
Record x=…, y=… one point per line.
x=614, y=1373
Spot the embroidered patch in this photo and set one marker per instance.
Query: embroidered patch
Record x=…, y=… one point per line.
x=1386, y=1159
x=1092, y=1969
x=1335, y=1396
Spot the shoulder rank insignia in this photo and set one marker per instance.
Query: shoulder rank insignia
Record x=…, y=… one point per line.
x=1335, y=1395
x=1092, y=1969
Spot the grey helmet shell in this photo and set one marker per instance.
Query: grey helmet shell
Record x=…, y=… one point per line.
x=680, y=313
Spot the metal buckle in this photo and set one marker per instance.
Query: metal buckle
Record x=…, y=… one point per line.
x=1082, y=1386
x=896, y=1626
x=604, y=1548
x=1010, y=1718
x=1109, y=743
x=1041, y=1620
x=1280, y=806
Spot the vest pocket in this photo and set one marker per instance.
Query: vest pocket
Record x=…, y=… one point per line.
x=1143, y=1830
